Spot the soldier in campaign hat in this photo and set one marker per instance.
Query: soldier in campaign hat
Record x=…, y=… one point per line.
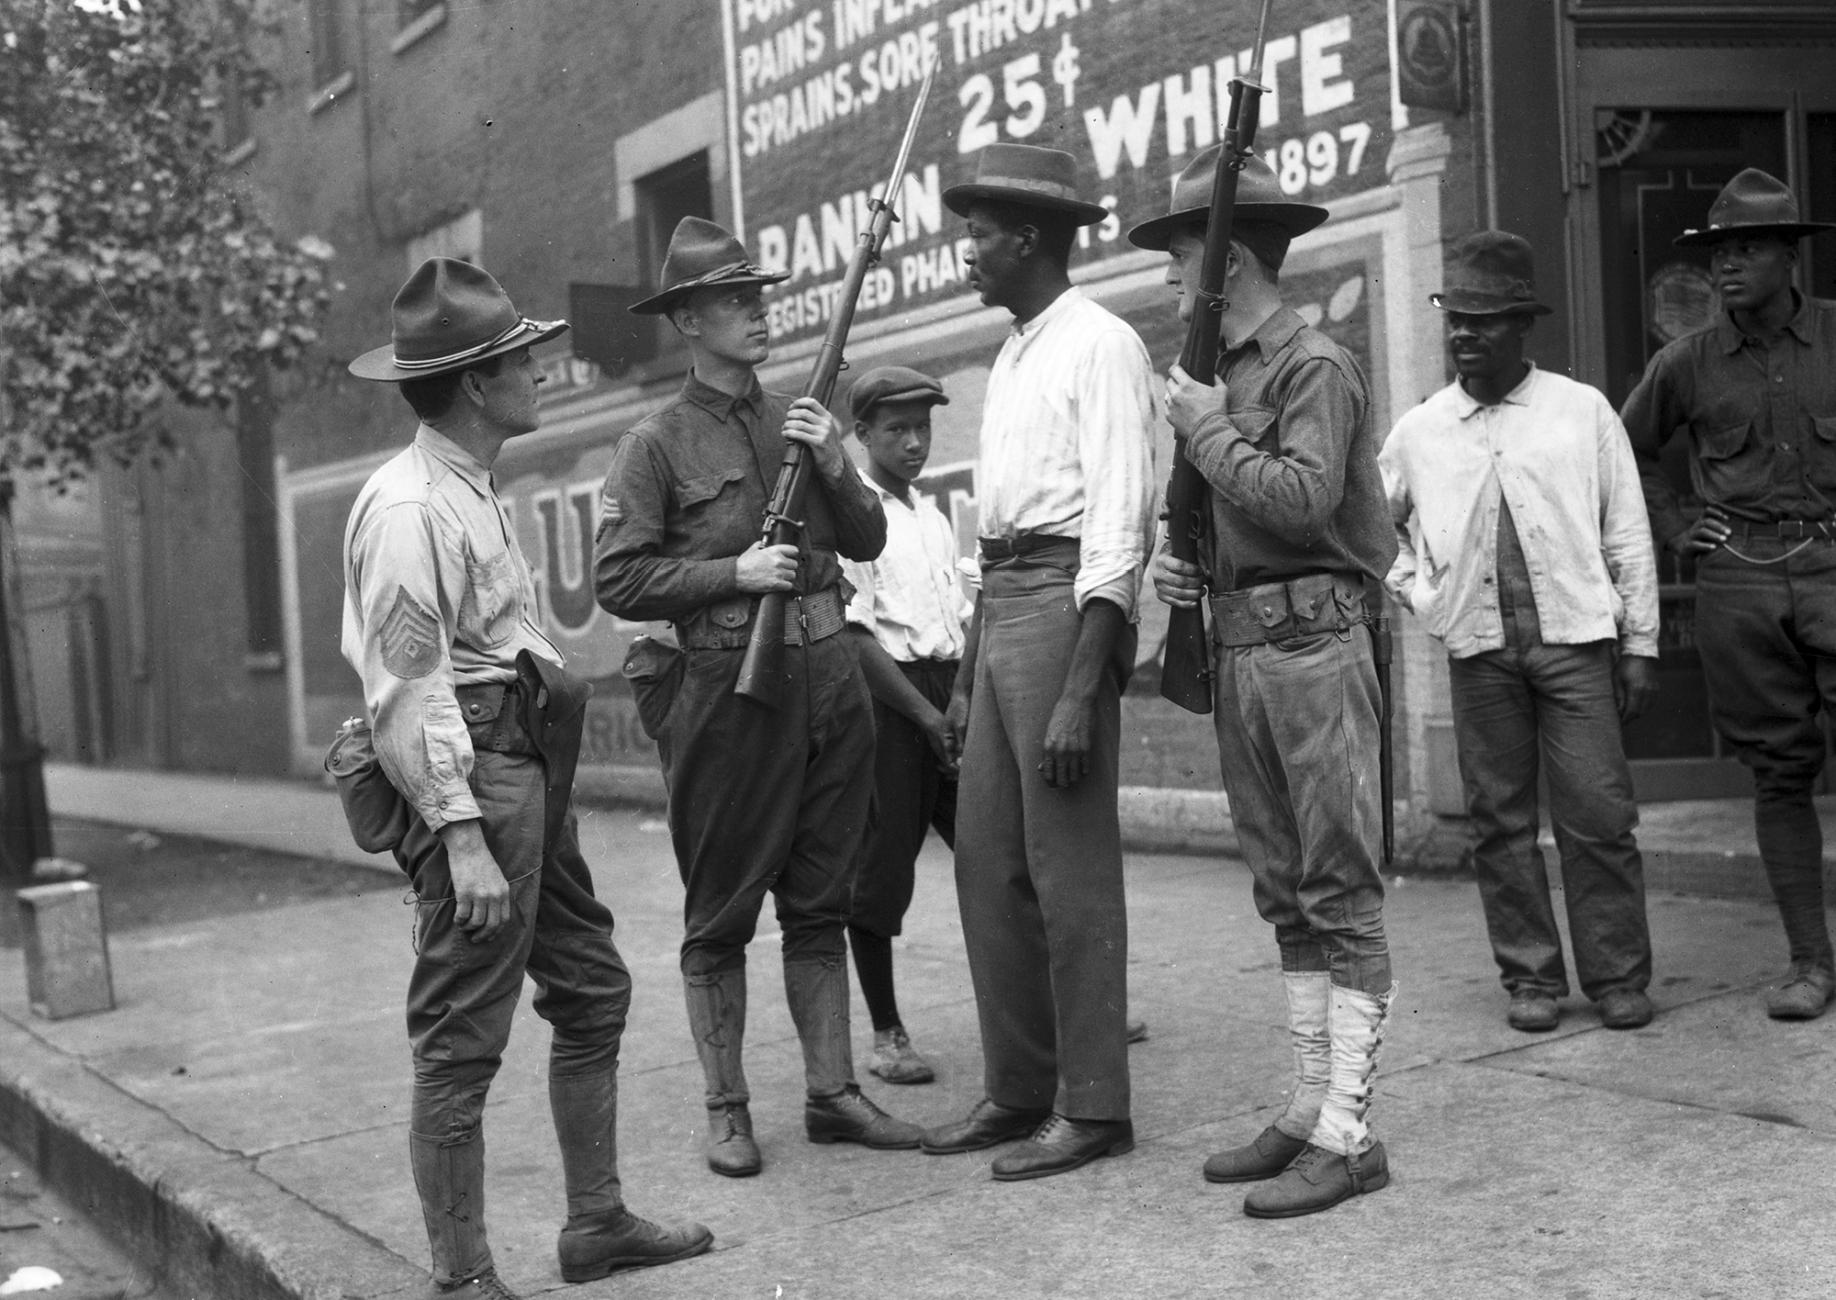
x=1297, y=532
x=1065, y=495
x=762, y=801
x=441, y=624
x=1755, y=395
x=1534, y=569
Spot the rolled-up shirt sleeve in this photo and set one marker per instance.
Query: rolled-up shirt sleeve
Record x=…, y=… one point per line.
x=404, y=589
x=1115, y=422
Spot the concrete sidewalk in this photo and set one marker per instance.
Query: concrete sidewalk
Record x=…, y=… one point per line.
x=242, y=1111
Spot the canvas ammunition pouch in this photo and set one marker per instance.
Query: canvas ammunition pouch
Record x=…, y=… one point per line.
x=727, y=624
x=1281, y=611
x=373, y=808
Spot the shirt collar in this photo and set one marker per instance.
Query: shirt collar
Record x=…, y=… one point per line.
x=1802, y=326
x=1058, y=307
x=908, y=502
x=720, y=404
x=1275, y=333
x=1468, y=405
x=454, y=457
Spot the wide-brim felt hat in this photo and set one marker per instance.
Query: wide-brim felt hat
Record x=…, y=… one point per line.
x=702, y=255
x=1753, y=203
x=893, y=384
x=1491, y=273
x=450, y=315
x=1259, y=198
x=1029, y=176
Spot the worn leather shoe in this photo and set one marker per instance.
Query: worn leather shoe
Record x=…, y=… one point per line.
x=486, y=1286
x=1271, y=1152
x=896, y=1060
x=849, y=1116
x=1063, y=1144
x=1625, y=1009
x=989, y=1124
x=1318, y=1180
x=1802, y=994
x=600, y=1246
x=731, y=1150
x=1532, y=1011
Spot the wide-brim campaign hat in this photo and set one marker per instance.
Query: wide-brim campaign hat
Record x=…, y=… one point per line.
x=1753, y=203
x=702, y=255
x=450, y=315
x=893, y=384
x=1491, y=273
x=1259, y=198
x=1027, y=175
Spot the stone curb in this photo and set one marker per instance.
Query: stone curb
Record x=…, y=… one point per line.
x=207, y=1221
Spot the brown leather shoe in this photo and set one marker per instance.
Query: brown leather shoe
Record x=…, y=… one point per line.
x=989, y=1124
x=1533, y=1011
x=1803, y=994
x=1318, y=1180
x=486, y=1286
x=731, y=1150
x=849, y=1116
x=895, y=1059
x=1063, y=1144
x=1271, y=1152
x=602, y=1245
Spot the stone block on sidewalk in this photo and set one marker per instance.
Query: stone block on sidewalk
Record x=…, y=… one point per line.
x=66, y=950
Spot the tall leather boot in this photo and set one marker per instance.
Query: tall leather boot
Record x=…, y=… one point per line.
x=834, y=1110
x=717, y=1018
x=1309, y=996
x=449, y=1176
x=1341, y=1159
x=601, y=1236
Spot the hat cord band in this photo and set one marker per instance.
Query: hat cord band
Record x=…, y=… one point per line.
x=522, y=323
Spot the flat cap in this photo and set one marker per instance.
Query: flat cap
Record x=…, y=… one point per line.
x=893, y=384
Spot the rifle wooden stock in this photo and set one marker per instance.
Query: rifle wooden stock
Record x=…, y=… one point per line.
x=761, y=675
x=1185, y=666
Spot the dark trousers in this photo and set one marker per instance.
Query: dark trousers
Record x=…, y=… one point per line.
x=1038, y=869
x=1534, y=707
x=768, y=801
x=1766, y=627
x=911, y=795
x=462, y=995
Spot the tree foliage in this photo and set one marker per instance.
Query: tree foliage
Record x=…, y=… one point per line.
x=133, y=271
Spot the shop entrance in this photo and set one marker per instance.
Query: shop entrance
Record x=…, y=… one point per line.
x=1660, y=133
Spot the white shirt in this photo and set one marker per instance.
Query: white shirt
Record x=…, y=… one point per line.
x=1067, y=443
x=1555, y=450
x=908, y=597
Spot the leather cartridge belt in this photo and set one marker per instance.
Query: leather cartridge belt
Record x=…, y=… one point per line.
x=727, y=624
x=1275, y=611
x=1786, y=529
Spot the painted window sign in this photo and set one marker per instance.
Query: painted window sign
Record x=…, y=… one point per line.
x=819, y=92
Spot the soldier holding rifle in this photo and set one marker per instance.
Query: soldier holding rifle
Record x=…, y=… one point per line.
x=1295, y=528
x=762, y=800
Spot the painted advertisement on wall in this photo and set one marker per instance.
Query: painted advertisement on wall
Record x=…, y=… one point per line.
x=821, y=91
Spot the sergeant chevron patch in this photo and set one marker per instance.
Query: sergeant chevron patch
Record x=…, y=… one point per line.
x=410, y=638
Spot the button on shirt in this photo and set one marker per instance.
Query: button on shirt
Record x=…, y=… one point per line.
x=1291, y=462
x=1067, y=443
x=436, y=596
x=909, y=597
x=1761, y=417
x=1555, y=452
x=687, y=493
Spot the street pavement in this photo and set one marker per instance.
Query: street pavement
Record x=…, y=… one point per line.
x=242, y=1111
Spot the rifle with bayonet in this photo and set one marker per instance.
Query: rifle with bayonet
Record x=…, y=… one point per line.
x=1185, y=666
x=761, y=675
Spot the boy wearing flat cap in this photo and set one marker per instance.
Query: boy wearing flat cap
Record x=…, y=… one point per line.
x=906, y=617
x=1756, y=393
x=1065, y=494
x=462, y=687
x=761, y=801
x=1522, y=544
x=1296, y=532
